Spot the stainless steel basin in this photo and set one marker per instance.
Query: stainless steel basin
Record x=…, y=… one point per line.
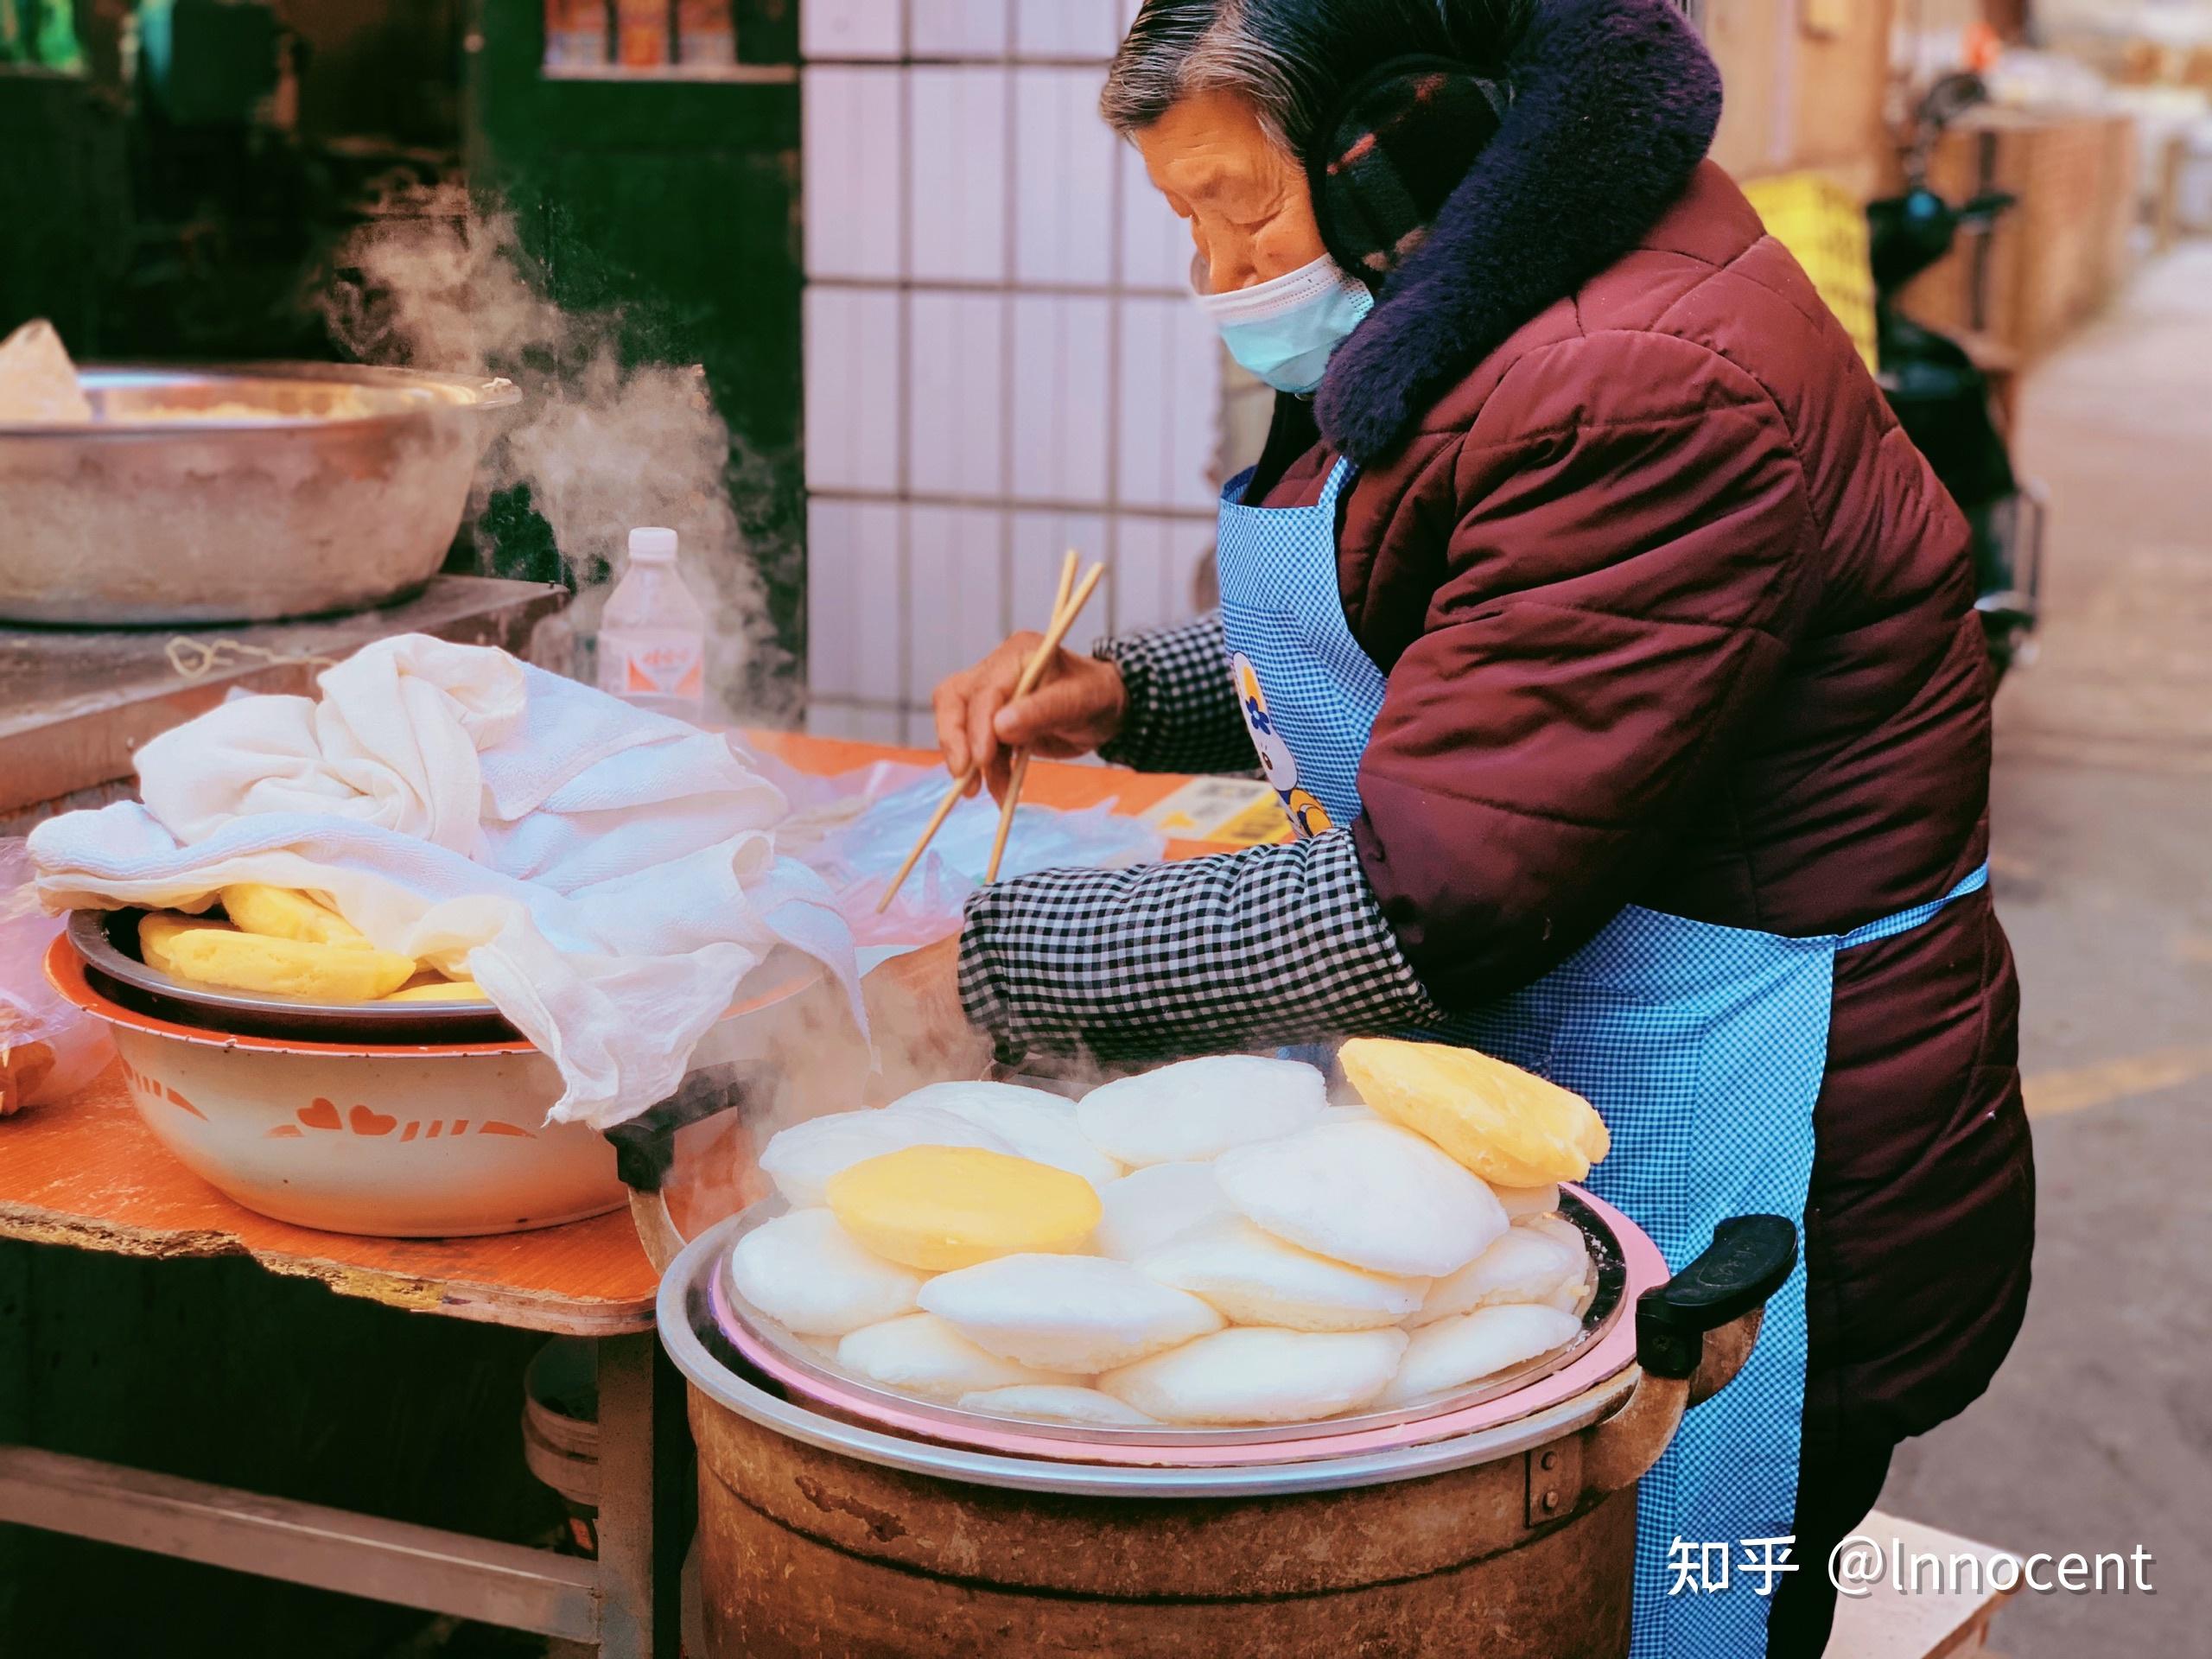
x=238, y=494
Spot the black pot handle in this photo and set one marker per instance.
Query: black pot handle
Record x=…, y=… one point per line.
x=645, y=1145
x=1748, y=1260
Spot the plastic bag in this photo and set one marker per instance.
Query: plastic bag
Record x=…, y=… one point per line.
x=855, y=829
x=48, y=1049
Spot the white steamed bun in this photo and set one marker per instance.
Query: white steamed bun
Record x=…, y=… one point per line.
x=1035, y=1124
x=1372, y=1194
x=1552, y=1226
x=1569, y=1294
x=1523, y=1265
x=1569, y=1238
x=1454, y=1352
x=1085, y=1407
x=802, y=1159
x=1197, y=1110
x=808, y=1274
x=1348, y=1115
x=1519, y=1201
x=1255, y=1278
x=919, y=1353
x=1079, y=1313
x=1149, y=1206
x=1252, y=1375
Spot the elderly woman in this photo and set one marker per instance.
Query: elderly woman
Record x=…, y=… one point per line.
x=1616, y=658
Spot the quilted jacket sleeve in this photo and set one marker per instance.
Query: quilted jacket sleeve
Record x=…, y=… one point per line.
x=1630, y=554
x=1273, y=944
x=1182, y=715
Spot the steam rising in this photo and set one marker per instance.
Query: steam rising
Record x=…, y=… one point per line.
x=603, y=446
x=431, y=283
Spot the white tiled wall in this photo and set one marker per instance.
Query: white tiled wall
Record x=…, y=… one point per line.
x=1001, y=358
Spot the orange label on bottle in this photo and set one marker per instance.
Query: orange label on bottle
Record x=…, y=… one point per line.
x=652, y=668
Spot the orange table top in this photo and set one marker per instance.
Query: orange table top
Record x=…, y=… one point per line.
x=86, y=1174
x=1055, y=783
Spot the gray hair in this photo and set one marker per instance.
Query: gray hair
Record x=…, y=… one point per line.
x=1292, y=59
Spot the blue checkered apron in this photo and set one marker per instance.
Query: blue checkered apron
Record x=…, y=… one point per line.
x=1703, y=1048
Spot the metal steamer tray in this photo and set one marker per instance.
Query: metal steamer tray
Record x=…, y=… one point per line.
x=108, y=941
x=746, y=1346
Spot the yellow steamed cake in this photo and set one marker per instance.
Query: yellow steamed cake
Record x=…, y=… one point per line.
x=159, y=930
x=440, y=990
x=1510, y=1127
x=940, y=1208
x=189, y=947
x=283, y=913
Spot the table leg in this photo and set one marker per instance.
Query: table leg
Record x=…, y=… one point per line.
x=646, y=1499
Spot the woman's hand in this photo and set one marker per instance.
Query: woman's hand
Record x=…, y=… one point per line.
x=915, y=1018
x=1077, y=705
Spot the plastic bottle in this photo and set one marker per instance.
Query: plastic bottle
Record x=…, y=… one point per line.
x=652, y=636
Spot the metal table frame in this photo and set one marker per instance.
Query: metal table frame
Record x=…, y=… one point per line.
x=624, y=1603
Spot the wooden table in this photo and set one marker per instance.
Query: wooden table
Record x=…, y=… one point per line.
x=75, y=703
x=1070, y=787
x=85, y=1173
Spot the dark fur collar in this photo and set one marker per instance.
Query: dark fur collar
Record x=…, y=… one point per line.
x=1615, y=104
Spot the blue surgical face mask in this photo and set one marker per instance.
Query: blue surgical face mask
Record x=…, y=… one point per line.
x=1285, y=331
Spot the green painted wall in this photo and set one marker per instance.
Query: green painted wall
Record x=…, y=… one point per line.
x=678, y=200
x=64, y=212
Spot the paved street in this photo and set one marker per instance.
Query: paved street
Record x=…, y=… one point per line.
x=2098, y=1435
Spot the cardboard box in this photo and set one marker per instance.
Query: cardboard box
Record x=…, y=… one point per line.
x=1806, y=88
x=2060, y=256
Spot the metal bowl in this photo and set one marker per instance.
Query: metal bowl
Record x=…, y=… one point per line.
x=108, y=941
x=238, y=494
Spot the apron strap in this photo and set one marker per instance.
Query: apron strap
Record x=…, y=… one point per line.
x=1340, y=475
x=1905, y=920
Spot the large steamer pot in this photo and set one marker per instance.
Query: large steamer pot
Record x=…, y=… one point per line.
x=238, y=494
x=821, y=1535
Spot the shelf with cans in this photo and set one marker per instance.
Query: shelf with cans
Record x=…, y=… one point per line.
x=648, y=40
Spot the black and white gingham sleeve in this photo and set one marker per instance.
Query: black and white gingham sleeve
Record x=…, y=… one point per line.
x=1182, y=714
x=1273, y=944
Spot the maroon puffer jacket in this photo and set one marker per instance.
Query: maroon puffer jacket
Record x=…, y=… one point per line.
x=1674, y=615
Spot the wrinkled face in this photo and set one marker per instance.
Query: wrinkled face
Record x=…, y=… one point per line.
x=1249, y=210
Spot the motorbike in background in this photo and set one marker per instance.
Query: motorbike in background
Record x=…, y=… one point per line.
x=1942, y=398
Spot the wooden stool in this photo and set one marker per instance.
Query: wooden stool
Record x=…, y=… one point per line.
x=1937, y=1623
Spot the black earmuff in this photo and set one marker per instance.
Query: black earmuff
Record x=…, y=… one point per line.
x=1392, y=150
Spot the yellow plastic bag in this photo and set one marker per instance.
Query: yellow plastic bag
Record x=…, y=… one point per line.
x=1824, y=227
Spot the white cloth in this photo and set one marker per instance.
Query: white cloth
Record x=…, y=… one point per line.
x=606, y=875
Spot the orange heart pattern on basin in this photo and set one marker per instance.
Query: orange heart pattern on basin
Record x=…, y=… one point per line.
x=320, y=1115
x=323, y=1116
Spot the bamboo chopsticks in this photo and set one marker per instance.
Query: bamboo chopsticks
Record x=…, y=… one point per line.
x=1068, y=607
x=1021, y=758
